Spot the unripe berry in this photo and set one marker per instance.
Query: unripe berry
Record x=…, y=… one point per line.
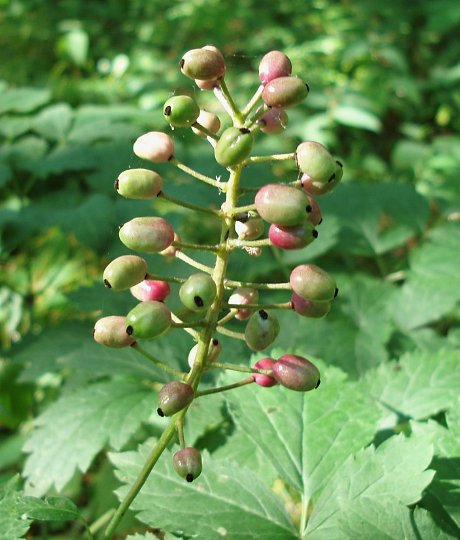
x=124, y=272
x=295, y=237
x=139, y=184
x=241, y=296
x=296, y=373
x=208, y=120
x=264, y=380
x=312, y=283
x=274, y=121
x=187, y=463
x=204, y=64
x=154, y=146
x=284, y=92
x=309, y=308
x=261, y=330
x=181, y=111
x=250, y=229
x=234, y=146
x=148, y=320
x=314, y=212
x=310, y=185
x=281, y=204
x=110, y=331
x=147, y=234
x=273, y=65
x=174, y=397
x=170, y=251
x=198, y=292
x=151, y=289
x=214, y=350
x=316, y=161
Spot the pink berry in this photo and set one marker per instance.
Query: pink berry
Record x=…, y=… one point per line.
x=273, y=65
x=154, y=146
x=151, y=289
x=295, y=237
x=259, y=378
x=309, y=308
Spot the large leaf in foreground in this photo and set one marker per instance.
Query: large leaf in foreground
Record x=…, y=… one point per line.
x=12, y=525
x=394, y=473
x=70, y=433
x=227, y=500
x=420, y=385
x=307, y=436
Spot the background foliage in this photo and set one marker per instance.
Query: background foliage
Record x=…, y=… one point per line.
x=79, y=82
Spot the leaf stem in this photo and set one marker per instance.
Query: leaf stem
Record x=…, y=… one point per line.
x=236, y=367
x=225, y=99
x=185, y=258
x=206, y=131
x=158, y=363
x=198, y=247
x=190, y=206
x=230, y=283
x=253, y=101
x=218, y=389
x=272, y=157
x=101, y=521
x=263, y=242
x=281, y=305
x=206, y=179
x=230, y=333
x=165, y=278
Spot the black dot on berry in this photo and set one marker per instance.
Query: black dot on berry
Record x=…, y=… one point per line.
x=107, y=284
x=245, y=130
x=242, y=217
x=308, y=88
x=189, y=477
x=167, y=110
x=215, y=342
x=263, y=314
x=129, y=330
x=317, y=384
x=308, y=209
x=181, y=63
x=336, y=292
x=133, y=344
x=227, y=234
x=339, y=163
x=171, y=157
x=198, y=301
x=320, y=221
x=160, y=412
x=160, y=194
x=116, y=184
x=314, y=233
x=331, y=178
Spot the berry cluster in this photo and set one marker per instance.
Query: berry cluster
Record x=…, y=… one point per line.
x=289, y=209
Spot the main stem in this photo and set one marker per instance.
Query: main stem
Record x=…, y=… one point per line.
x=204, y=338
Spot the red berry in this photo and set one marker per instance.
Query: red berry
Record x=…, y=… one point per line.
x=264, y=380
x=151, y=289
x=296, y=373
x=273, y=65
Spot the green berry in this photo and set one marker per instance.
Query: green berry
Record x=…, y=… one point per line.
x=284, y=92
x=309, y=308
x=312, y=283
x=234, y=146
x=316, y=161
x=198, y=292
x=148, y=320
x=139, y=184
x=273, y=65
x=281, y=204
x=261, y=330
x=296, y=373
x=124, y=272
x=147, y=234
x=181, y=111
x=111, y=332
x=205, y=64
x=174, y=397
x=154, y=146
x=187, y=463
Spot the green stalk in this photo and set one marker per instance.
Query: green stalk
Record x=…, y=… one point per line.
x=218, y=389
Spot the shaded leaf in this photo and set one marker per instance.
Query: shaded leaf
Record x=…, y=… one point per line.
x=13, y=526
x=54, y=122
x=23, y=99
x=351, y=116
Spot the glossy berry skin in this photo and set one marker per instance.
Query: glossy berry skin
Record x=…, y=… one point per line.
x=198, y=292
x=205, y=64
x=264, y=380
x=208, y=120
x=273, y=65
x=170, y=251
x=296, y=373
x=124, y=272
x=274, y=121
x=174, y=397
x=234, y=146
x=242, y=296
x=311, y=282
x=148, y=320
x=311, y=186
x=316, y=161
x=295, y=237
x=284, y=92
x=187, y=463
x=111, y=332
x=151, y=289
x=139, y=184
x=147, y=234
x=154, y=146
x=251, y=229
x=181, y=111
x=261, y=330
x=309, y=308
x=314, y=215
x=281, y=204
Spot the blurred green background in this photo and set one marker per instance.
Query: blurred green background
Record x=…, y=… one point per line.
x=80, y=80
